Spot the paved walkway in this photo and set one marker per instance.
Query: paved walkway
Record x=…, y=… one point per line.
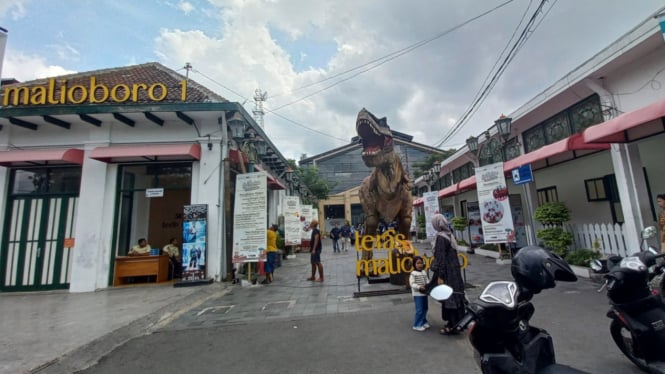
x=59, y=332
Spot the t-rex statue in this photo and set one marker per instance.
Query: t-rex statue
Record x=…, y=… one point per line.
x=386, y=193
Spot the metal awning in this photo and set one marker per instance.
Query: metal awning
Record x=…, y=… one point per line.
x=629, y=126
x=28, y=157
x=148, y=152
x=572, y=143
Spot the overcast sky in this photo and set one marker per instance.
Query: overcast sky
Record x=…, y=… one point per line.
x=320, y=62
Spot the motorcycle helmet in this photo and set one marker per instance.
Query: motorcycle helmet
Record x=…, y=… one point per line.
x=535, y=269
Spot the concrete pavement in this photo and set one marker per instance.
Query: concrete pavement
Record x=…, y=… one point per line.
x=59, y=332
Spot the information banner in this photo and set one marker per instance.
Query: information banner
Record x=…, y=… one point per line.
x=431, y=205
x=292, y=225
x=494, y=205
x=475, y=225
x=250, y=218
x=305, y=220
x=194, y=234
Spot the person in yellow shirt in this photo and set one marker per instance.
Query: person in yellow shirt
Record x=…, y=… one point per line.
x=141, y=249
x=175, y=258
x=271, y=254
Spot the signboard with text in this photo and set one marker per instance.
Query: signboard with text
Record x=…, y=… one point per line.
x=250, y=220
x=495, y=214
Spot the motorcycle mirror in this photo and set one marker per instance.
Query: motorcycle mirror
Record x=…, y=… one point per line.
x=596, y=265
x=441, y=292
x=648, y=232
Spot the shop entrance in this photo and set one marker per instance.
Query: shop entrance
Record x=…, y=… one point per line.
x=38, y=237
x=156, y=216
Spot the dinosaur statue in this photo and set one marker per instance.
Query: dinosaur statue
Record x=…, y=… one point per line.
x=386, y=193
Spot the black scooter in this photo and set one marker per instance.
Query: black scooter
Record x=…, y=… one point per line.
x=500, y=333
x=637, y=313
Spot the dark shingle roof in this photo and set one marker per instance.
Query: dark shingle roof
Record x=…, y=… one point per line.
x=148, y=74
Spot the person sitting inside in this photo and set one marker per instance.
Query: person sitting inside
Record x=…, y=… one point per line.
x=141, y=249
x=175, y=258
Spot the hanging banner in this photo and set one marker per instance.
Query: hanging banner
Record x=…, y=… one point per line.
x=431, y=205
x=292, y=226
x=250, y=217
x=194, y=234
x=475, y=224
x=494, y=205
x=305, y=219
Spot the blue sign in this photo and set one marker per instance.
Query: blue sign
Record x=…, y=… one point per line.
x=522, y=174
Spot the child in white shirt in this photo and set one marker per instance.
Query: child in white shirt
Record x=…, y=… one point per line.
x=418, y=279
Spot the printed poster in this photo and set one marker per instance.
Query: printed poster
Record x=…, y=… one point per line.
x=495, y=213
x=250, y=217
x=431, y=205
x=305, y=219
x=291, y=212
x=194, y=234
x=475, y=225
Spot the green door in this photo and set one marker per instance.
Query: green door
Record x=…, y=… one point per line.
x=33, y=255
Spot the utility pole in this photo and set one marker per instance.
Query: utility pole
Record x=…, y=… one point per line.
x=187, y=67
x=259, y=98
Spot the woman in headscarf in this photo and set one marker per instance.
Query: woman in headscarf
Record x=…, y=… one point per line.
x=446, y=269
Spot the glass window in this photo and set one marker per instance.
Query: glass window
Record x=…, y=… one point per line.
x=46, y=180
x=172, y=176
x=547, y=195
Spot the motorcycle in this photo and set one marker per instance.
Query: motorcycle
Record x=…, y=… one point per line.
x=498, y=321
x=637, y=312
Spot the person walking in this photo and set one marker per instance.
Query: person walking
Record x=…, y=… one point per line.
x=418, y=281
x=346, y=236
x=660, y=200
x=446, y=269
x=271, y=254
x=315, y=252
x=334, y=235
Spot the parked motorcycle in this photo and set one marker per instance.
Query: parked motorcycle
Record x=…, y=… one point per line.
x=500, y=333
x=637, y=313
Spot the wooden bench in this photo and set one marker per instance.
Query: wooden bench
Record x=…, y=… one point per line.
x=136, y=266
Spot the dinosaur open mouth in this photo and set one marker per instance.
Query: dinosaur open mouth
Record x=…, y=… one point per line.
x=371, y=139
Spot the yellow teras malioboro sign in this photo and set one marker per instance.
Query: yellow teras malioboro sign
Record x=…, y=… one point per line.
x=386, y=241
x=78, y=93
x=391, y=265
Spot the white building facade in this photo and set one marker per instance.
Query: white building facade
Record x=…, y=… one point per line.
x=94, y=161
x=595, y=140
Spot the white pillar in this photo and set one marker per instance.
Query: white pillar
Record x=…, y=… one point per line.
x=207, y=189
x=90, y=266
x=632, y=191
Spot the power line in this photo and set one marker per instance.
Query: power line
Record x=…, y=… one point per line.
x=484, y=92
x=386, y=58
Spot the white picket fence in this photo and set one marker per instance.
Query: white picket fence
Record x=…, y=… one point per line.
x=609, y=237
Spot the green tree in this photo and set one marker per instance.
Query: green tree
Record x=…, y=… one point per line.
x=423, y=166
x=309, y=177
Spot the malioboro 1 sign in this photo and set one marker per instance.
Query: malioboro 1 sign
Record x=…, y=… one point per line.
x=78, y=93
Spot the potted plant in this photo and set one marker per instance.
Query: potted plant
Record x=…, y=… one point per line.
x=554, y=237
x=460, y=224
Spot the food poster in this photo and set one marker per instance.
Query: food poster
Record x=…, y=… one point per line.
x=495, y=213
x=250, y=217
x=194, y=234
x=431, y=204
x=292, y=227
x=475, y=226
x=306, y=217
